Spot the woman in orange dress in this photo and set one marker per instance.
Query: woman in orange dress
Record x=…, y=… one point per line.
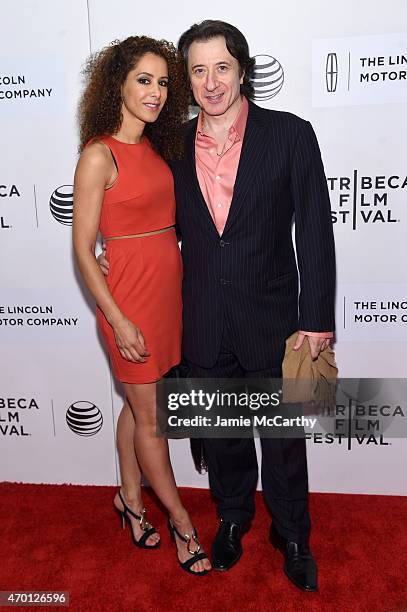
x=131, y=114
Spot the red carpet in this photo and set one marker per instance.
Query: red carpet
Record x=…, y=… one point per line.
x=68, y=538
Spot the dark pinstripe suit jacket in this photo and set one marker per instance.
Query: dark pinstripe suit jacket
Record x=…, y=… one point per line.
x=250, y=273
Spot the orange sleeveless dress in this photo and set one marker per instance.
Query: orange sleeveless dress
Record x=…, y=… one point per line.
x=145, y=274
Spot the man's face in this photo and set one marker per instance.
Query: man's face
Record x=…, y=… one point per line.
x=214, y=76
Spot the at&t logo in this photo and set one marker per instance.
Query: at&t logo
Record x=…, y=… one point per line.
x=84, y=418
x=268, y=77
x=61, y=204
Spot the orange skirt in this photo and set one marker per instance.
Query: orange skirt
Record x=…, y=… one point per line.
x=145, y=277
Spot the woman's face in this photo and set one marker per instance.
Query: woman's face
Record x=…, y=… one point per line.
x=145, y=89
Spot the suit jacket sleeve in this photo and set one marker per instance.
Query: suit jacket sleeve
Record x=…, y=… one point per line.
x=313, y=234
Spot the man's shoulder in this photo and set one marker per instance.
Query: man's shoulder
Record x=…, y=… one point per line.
x=264, y=115
x=276, y=117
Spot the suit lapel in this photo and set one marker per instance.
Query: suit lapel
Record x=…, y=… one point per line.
x=253, y=149
x=193, y=177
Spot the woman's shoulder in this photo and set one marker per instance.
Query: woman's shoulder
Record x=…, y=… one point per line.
x=95, y=158
x=96, y=150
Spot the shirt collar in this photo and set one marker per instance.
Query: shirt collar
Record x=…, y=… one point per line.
x=239, y=124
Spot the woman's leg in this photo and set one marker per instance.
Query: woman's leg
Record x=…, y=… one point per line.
x=130, y=471
x=154, y=459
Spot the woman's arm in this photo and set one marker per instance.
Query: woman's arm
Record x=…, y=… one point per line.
x=93, y=173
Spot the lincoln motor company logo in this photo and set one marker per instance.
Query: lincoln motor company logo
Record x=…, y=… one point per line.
x=357, y=70
x=331, y=72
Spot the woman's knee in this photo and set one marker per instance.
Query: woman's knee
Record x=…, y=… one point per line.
x=142, y=403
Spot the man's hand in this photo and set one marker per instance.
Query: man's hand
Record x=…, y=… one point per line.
x=317, y=345
x=103, y=263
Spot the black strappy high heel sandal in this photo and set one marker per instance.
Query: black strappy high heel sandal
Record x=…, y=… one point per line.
x=196, y=554
x=144, y=524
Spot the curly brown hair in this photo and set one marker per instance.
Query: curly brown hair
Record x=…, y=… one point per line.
x=100, y=107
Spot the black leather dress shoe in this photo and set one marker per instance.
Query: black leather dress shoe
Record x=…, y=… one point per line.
x=226, y=547
x=299, y=566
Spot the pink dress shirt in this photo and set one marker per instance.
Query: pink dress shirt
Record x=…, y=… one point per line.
x=217, y=173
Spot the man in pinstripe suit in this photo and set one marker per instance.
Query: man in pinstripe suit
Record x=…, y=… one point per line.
x=247, y=172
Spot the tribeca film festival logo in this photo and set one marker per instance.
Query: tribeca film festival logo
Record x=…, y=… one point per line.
x=11, y=411
x=61, y=204
x=268, y=78
x=7, y=194
x=355, y=424
x=84, y=418
x=363, y=199
x=360, y=417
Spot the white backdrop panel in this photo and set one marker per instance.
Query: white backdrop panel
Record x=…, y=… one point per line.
x=362, y=134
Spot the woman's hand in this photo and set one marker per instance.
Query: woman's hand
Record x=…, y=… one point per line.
x=130, y=341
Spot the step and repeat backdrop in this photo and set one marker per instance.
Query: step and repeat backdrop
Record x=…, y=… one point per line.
x=344, y=68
